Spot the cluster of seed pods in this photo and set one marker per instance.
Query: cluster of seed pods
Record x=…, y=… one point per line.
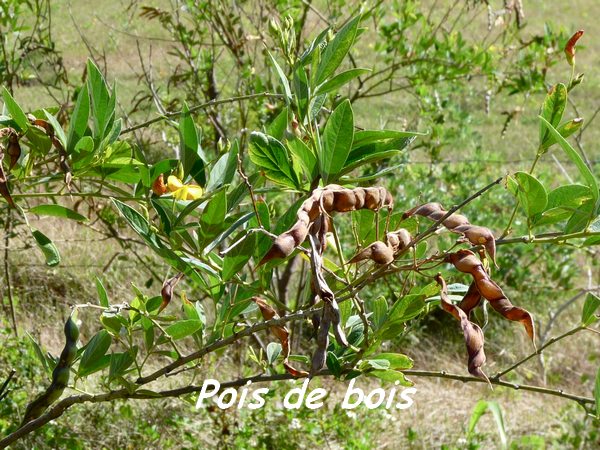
x=323, y=202
x=384, y=252
x=312, y=222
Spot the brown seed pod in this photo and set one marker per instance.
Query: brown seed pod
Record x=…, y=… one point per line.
x=472, y=333
x=282, y=334
x=399, y=239
x=377, y=251
x=344, y=200
x=336, y=318
x=320, y=355
x=167, y=290
x=466, y=262
x=457, y=223
x=13, y=150
x=471, y=300
x=455, y=220
x=4, y=191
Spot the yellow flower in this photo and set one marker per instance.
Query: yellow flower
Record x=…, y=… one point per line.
x=182, y=191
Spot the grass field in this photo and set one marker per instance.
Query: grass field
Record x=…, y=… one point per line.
x=442, y=409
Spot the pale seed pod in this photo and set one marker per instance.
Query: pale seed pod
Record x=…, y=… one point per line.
x=359, y=198
x=455, y=220
x=377, y=251
x=326, y=201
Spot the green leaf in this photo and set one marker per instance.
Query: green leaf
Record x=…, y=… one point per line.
x=183, y=328
x=270, y=155
x=119, y=363
x=47, y=247
x=365, y=137
x=530, y=192
x=38, y=352
x=592, y=302
x=15, y=111
x=57, y=211
x=190, y=152
x=379, y=307
x=93, y=353
x=553, y=108
x=336, y=50
x=224, y=169
x=562, y=203
x=336, y=141
x=102, y=294
x=305, y=156
x=273, y=351
x=480, y=408
x=134, y=218
x=339, y=80
x=584, y=170
x=79, y=119
x=374, y=151
x=565, y=130
x=333, y=364
x=301, y=92
x=102, y=105
x=283, y=79
x=238, y=257
x=580, y=217
x=397, y=361
x=391, y=376
x=58, y=131
x=405, y=309
x=213, y=216
x=279, y=125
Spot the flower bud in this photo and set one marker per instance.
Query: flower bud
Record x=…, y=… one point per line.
x=570, y=47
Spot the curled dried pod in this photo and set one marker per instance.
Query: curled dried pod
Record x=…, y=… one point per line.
x=4, y=191
x=359, y=198
x=282, y=334
x=336, y=318
x=426, y=210
x=320, y=355
x=471, y=300
x=298, y=232
x=282, y=247
x=326, y=200
x=472, y=333
x=466, y=262
x=477, y=235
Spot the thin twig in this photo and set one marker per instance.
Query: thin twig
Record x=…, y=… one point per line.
x=537, y=352
x=200, y=107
